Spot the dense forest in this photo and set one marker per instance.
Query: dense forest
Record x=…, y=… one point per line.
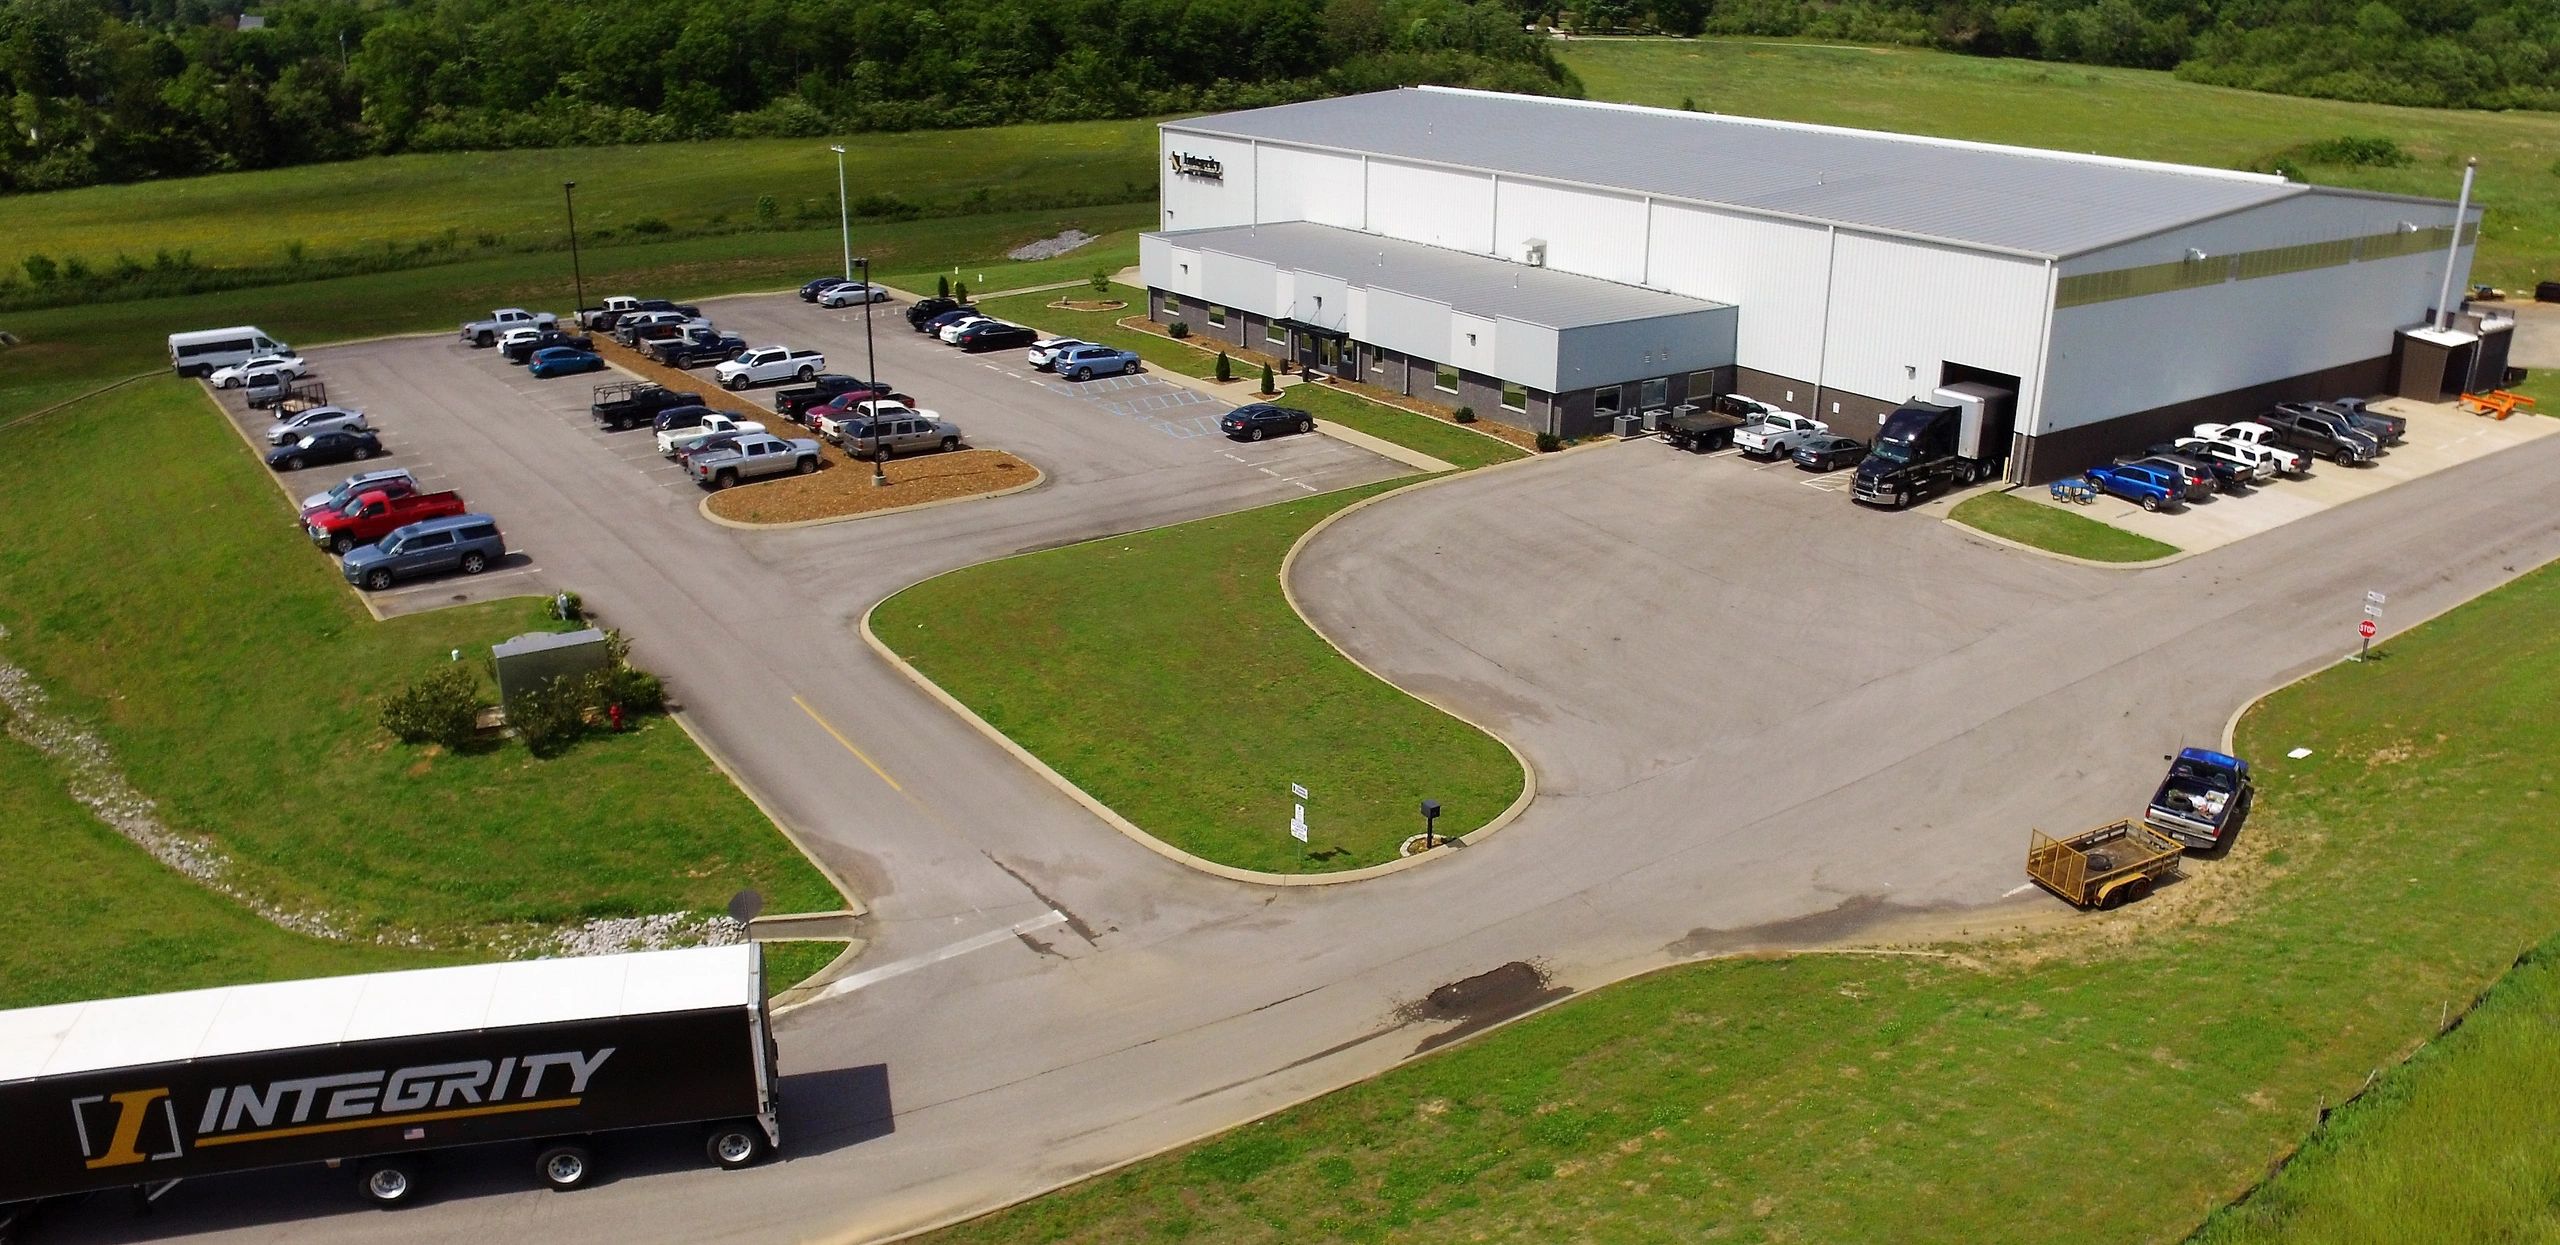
x=122, y=90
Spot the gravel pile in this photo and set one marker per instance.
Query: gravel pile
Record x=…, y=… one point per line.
x=611, y=935
x=1051, y=248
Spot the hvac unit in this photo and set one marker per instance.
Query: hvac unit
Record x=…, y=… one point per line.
x=1534, y=252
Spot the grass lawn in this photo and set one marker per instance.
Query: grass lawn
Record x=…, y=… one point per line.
x=2119, y=112
x=71, y=349
x=234, y=219
x=1193, y=716
x=2117, y=1079
x=1446, y=442
x=233, y=676
x=2454, y=1146
x=787, y=964
x=2057, y=530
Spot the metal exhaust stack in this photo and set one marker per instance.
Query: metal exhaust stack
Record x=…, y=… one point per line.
x=2453, y=253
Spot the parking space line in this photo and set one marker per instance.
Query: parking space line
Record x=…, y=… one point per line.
x=829, y=728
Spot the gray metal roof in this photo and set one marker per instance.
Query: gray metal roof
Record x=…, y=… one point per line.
x=2047, y=204
x=1476, y=284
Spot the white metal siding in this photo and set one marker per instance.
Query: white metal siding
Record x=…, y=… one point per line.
x=1608, y=354
x=1198, y=203
x=1436, y=207
x=2313, y=217
x=1773, y=270
x=1599, y=235
x=1526, y=355
x=1401, y=322
x=1297, y=184
x=1901, y=310
x=1320, y=300
x=1168, y=267
x=1233, y=282
x=1472, y=343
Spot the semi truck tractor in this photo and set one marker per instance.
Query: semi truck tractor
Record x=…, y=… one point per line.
x=1925, y=448
x=374, y=1073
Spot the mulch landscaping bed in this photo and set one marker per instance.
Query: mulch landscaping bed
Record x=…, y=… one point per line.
x=717, y=398
x=844, y=487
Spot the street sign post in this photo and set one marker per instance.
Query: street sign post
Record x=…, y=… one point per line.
x=2365, y=629
x=1298, y=818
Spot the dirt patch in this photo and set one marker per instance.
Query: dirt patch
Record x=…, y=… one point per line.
x=1521, y=437
x=845, y=488
x=1089, y=304
x=1052, y=247
x=1483, y=1001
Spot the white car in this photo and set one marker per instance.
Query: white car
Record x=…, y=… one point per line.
x=673, y=441
x=832, y=424
x=317, y=420
x=765, y=365
x=950, y=333
x=230, y=377
x=851, y=292
x=2259, y=436
x=1776, y=434
x=1044, y=352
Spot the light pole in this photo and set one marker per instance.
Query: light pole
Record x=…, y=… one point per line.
x=569, y=195
x=870, y=359
x=844, y=216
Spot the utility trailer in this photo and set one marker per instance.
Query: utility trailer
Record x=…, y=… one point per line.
x=2108, y=867
x=379, y=1070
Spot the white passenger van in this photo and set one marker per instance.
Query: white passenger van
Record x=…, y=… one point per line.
x=194, y=354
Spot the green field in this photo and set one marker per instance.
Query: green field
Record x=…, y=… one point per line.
x=1192, y=716
x=2057, y=530
x=176, y=611
x=2456, y=1145
x=2114, y=1080
x=241, y=219
x=2118, y=112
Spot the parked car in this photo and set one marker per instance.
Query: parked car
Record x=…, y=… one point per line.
x=1257, y=420
x=822, y=388
x=2149, y=486
x=518, y=349
x=290, y=366
x=2228, y=476
x=810, y=291
x=989, y=335
x=1082, y=362
x=372, y=515
x=390, y=481
x=605, y=318
x=2320, y=434
x=715, y=443
x=831, y=420
x=273, y=387
x=343, y=445
x=847, y=293
x=1828, y=452
x=898, y=432
x=949, y=333
x=933, y=326
x=469, y=543
x=768, y=364
x=2194, y=482
x=2387, y=429
x=754, y=457
x=2259, y=437
x=563, y=361
x=1777, y=434
x=485, y=333
x=629, y=404
x=671, y=440
x=922, y=311
x=695, y=347
x=2257, y=461
x=836, y=409
x=301, y=424
x=641, y=326
x=1045, y=351
x=1751, y=410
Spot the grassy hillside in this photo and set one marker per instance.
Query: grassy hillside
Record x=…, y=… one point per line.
x=2117, y=112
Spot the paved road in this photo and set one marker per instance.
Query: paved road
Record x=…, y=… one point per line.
x=1761, y=716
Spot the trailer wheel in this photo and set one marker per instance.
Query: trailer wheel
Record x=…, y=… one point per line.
x=734, y=1145
x=391, y=1182
x=564, y=1167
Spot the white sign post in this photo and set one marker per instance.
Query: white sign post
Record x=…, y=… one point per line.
x=2365, y=629
x=1298, y=818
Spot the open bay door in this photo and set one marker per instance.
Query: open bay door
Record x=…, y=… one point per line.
x=1990, y=415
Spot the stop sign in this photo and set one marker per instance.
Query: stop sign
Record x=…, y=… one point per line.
x=2365, y=628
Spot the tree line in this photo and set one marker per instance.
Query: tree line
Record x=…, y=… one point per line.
x=124, y=90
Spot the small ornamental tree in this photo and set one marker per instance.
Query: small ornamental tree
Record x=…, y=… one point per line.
x=942, y=286
x=1269, y=386
x=1101, y=282
x=1226, y=370
x=960, y=290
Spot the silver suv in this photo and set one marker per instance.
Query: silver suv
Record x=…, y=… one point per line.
x=890, y=436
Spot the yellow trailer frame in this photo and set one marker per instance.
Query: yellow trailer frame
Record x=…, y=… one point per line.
x=2108, y=867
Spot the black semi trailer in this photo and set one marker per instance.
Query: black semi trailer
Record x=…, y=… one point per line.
x=375, y=1071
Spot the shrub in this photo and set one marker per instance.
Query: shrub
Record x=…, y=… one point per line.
x=960, y=290
x=942, y=287
x=294, y=250
x=1177, y=330
x=1226, y=370
x=1549, y=443
x=553, y=715
x=442, y=707
x=1465, y=415
x=2356, y=151
x=1269, y=386
x=637, y=691
x=1101, y=283
x=40, y=268
x=650, y=224
x=768, y=209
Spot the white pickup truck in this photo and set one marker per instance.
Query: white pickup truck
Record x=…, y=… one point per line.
x=674, y=440
x=1776, y=434
x=486, y=332
x=2256, y=461
x=765, y=365
x=2260, y=437
x=754, y=457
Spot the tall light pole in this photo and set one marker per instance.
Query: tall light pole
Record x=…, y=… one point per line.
x=870, y=360
x=844, y=215
x=569, y=195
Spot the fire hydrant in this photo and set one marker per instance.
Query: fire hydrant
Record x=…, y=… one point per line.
x=613, y=713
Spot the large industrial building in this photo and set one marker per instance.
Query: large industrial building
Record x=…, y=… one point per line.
x=1556, y=264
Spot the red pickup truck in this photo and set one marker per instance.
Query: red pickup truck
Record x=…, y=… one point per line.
x=372, y=516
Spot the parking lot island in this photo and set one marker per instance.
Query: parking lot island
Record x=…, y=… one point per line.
x=849, y=491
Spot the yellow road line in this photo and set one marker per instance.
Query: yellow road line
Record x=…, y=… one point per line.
x=830, y=728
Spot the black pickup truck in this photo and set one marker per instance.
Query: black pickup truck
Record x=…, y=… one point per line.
x=823, y=388
x=2320, y=434
x=695, y=347
x=2387, y=429
x=633, y=404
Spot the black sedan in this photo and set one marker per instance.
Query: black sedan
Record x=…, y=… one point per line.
x=1261, y=419
x=519, y=351
x=1828, y=453
x=981, y=338
x=809, y=293
x=343, y=445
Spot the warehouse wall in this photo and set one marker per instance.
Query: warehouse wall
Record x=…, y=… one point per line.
x=1775, y=271
x=1901, y=311
x=1197, y=203
x=1436, y=207
x=1596, y=234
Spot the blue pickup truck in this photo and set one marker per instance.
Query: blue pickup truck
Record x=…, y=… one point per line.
x=2203, y=798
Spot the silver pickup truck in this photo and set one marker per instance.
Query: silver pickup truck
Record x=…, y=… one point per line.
x=505, y=319
x=754, y=457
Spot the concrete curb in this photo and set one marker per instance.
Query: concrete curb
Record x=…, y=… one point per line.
x=1384, y=448
x=1122, y=824
x=1978, y=534
x=853, y=903
x=75, y=400
x=1038, y=478
x=273, y=477
x=811, y=990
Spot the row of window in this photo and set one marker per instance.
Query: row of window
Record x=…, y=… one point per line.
x=2184, y=274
